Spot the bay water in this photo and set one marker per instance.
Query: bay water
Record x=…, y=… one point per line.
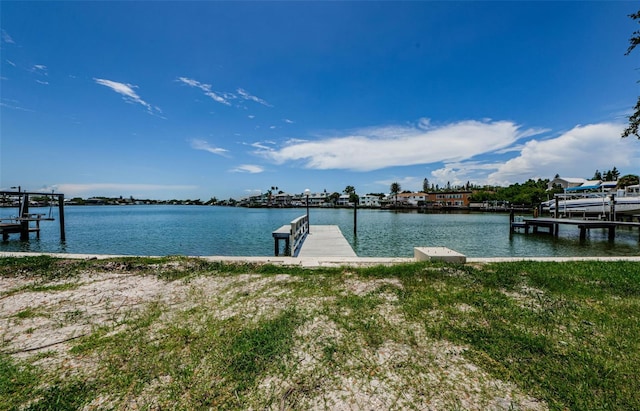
x=230, y=231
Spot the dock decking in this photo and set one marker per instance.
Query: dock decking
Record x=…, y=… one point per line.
x=325, y=241
x=552, y=224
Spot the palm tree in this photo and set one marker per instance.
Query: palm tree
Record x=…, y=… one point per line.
x=395, y=189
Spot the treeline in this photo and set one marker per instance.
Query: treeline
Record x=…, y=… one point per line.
x=531, y=192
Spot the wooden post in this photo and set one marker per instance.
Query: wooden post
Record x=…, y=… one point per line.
x=511, y=220
x=355, y=218
x=612, y=232
x=555, y=213
x=583, y=233
x=612, y=208
x=63, y=236
x=24, y=215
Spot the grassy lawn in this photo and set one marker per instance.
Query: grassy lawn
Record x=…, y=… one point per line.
x=179, y=333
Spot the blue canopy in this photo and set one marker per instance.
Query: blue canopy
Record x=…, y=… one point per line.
x=580, y=188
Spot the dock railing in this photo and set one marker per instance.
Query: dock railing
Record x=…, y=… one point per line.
x=293, y=235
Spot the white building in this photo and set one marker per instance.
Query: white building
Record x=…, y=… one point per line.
x=369, y=200
x=566, y=182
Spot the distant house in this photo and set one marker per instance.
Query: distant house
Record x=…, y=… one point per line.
x=316, y=199
x=369, y=200
x=406, y=200
x=450, y=198
x=343, y=201
x=566, y=182
x=282, y=199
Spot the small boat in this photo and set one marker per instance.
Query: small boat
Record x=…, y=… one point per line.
x=572, y=201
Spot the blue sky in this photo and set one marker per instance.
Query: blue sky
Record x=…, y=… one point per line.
x=201, y=99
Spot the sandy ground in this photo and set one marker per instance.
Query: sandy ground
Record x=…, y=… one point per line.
x=36, y=317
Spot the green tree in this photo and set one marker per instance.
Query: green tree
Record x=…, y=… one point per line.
x=351, y=191
x=628, y=180
x=597, y=175
x=425, y=185
x=395, y=189
x=634, y=119
x=615, y=173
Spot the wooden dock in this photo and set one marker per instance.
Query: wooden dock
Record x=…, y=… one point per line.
x=302, y=240
x=325, y=241
x=553, y=224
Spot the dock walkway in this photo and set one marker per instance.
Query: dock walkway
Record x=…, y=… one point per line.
x=325, y=241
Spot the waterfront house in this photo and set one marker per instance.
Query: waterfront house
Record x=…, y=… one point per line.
x=369, y=200
x=315, y=199
x=282, y=200
x=566, y=182
x=457, y=199
x=409, y=200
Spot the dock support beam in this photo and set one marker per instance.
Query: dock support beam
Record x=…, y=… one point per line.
x=24, y=215
x=63, y=236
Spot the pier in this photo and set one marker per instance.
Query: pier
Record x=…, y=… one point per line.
x=552, y=225
x=22, y=223
x=302, y=240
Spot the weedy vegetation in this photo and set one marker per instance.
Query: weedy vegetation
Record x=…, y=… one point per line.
x=182, y=333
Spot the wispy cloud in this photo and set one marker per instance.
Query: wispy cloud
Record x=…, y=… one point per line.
x=218, y=97
x=381, y=147
x=10, y=104
x=6, y=38
x=42, y=82
x=286, y=120
x=247, y=168
x=246, y=96
x=128, y=93
x=11, y=63
x=203, y=145
x=223, y=97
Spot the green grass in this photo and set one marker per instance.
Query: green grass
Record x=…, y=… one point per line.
x=567, y=334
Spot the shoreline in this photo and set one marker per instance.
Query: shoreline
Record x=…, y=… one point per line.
x=311, y=262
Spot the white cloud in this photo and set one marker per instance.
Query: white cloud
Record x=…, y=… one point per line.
x=42, y=82
x=205, y=146
x=7, y=38
x=245, y=95
x=248, y=168
x=286, y=120
x=578, y=152
x=380, y=147
x=11, y=63
x=15, y=107
x=222, y=98
x=127, y=92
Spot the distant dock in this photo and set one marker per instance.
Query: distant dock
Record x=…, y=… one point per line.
x=21, y=224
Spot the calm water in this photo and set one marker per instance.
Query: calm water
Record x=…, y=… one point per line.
x=198, y=230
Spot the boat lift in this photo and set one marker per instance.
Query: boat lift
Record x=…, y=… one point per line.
x=22, y=222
